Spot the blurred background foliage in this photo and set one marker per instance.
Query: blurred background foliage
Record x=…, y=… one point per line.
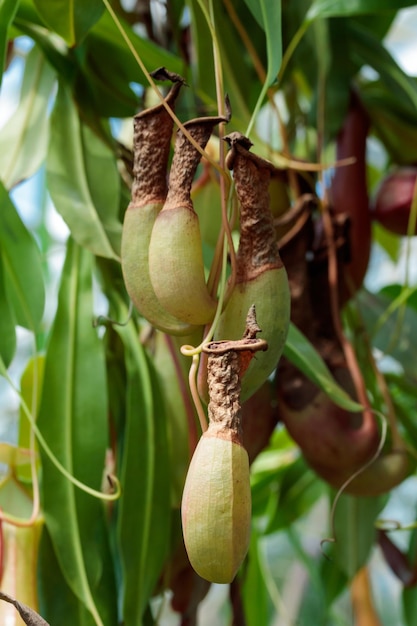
x=83, y=398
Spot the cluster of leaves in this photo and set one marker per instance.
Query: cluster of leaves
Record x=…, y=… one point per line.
x=98, y=393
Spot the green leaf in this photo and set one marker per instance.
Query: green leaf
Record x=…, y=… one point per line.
x=355, y=532
x=30, y=388
x=231, y=54
x=409, y=603
x=106, y=68
x=409, y=596
x=298, y=490
x=73, y=421
x=393, y=119
x=334, y=579
x=404, y=396
x=24, y=138
x=71, y=19
x=8, y=10
x=388, y=241
x=22, y=266
x=106, y=37
x=204, y=75
x=369, y=50
x=101, y=69
x=268, y=15
x=7, y=323
x=283, y=487
x=241, y=93
x=206, y=201
x=341, y=8
x=327, y=581
x=28, y=22
x=59, y=604
x=144, y=514
x=169, y=373
x=104, y=184
x=69, y=165
x=340, y=70
x=255, y=595
x=303, y=355
x=391, y=325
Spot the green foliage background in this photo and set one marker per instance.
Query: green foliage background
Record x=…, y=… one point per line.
x=95, y=387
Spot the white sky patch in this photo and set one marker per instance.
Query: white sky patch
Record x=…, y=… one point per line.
x=382, y=271
x=401, y=40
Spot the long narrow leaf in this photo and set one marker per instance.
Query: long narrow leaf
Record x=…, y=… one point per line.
x=341, y=8
x=30, y=387
x=230, y=49
x=7, y=323
x=302, y=353
x=144, y=516
x=7, y=11
x=355, y=531
x=23, y=276
x=73, y=421
x=59, y=604
x=105, y=36
x=24, y=139
x=299, y=490
x=68, y=181
x=396, y=336
x=104, y=184
x=254, y=591
x=71, y=19
x=409, y=596
x=268, y=15
x=370, y=51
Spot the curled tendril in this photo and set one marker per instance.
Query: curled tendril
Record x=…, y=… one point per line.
x=358, y=472
x=104, y=320
x=114, y=481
